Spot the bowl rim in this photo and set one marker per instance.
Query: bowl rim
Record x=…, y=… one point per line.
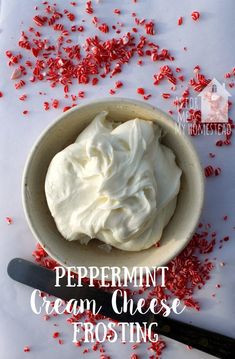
x=88, y=103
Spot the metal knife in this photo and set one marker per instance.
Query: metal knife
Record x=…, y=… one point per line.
x=44, y=279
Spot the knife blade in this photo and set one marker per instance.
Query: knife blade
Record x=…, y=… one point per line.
x=44, y=279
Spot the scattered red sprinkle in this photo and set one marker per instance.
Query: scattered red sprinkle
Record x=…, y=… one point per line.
x=46, y=106
x=66, y=108
x=94, y=81
x=180, y=20
x=117, y=11
x=166, y=96
x=9, y=220
x=118, y=84
x=219, y=143
x=55, y=103
x=103, y=28
x=209, y=171
x=218, y=171
x=26, y=349
x=140, y=91
x=39, y=20
x=149, y=28
x=195, y=15
x=25, y=112
x=56, y=334
x=81, y=94
x=23, y=97
x=19, y=84
x=89, y=8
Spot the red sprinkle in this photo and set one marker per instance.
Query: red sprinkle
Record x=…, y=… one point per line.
x=56, y=334
x=166, y=95
x=9, y=220
x=26, y=349
x=218, y=171
x=117, y=11
x=149, y=28
x=180, y=20
x=89, y=8
x=209, y=171
x=39, y=20
x=195, y=15
x=140, y=90
x=118, y=84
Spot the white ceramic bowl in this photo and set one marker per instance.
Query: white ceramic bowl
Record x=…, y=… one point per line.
x=63, y=132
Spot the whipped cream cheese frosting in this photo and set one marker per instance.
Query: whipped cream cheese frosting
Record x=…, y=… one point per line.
x=117, y=183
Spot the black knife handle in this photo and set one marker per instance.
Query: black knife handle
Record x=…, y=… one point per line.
x=212, y=343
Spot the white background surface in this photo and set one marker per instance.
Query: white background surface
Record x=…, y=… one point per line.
x=210, y=44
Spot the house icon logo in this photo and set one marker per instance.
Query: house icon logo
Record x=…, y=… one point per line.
x=214, y=103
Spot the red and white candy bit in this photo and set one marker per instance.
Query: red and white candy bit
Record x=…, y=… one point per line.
x=1, y=94
x=19, y=84
x=70, y=16
x=55, y=103
x=219, y=143
x=117, y=11
x=81, y=28
x=166, y=96
x=180, y=20
x=134, y=356
x=165, y=72
x=218, y=171
x=9, y=220
x=89, y=8
x=149, y=28
x=26, y=349
x=35, y=51
x=195, y=15
x=140, y=90
x=118, y=84
x=39, y=21
x=46, y=106
x=55, y=334
x=103, y=28
x=209, y=171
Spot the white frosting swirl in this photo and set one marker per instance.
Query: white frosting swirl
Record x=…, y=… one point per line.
x=117, y=183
